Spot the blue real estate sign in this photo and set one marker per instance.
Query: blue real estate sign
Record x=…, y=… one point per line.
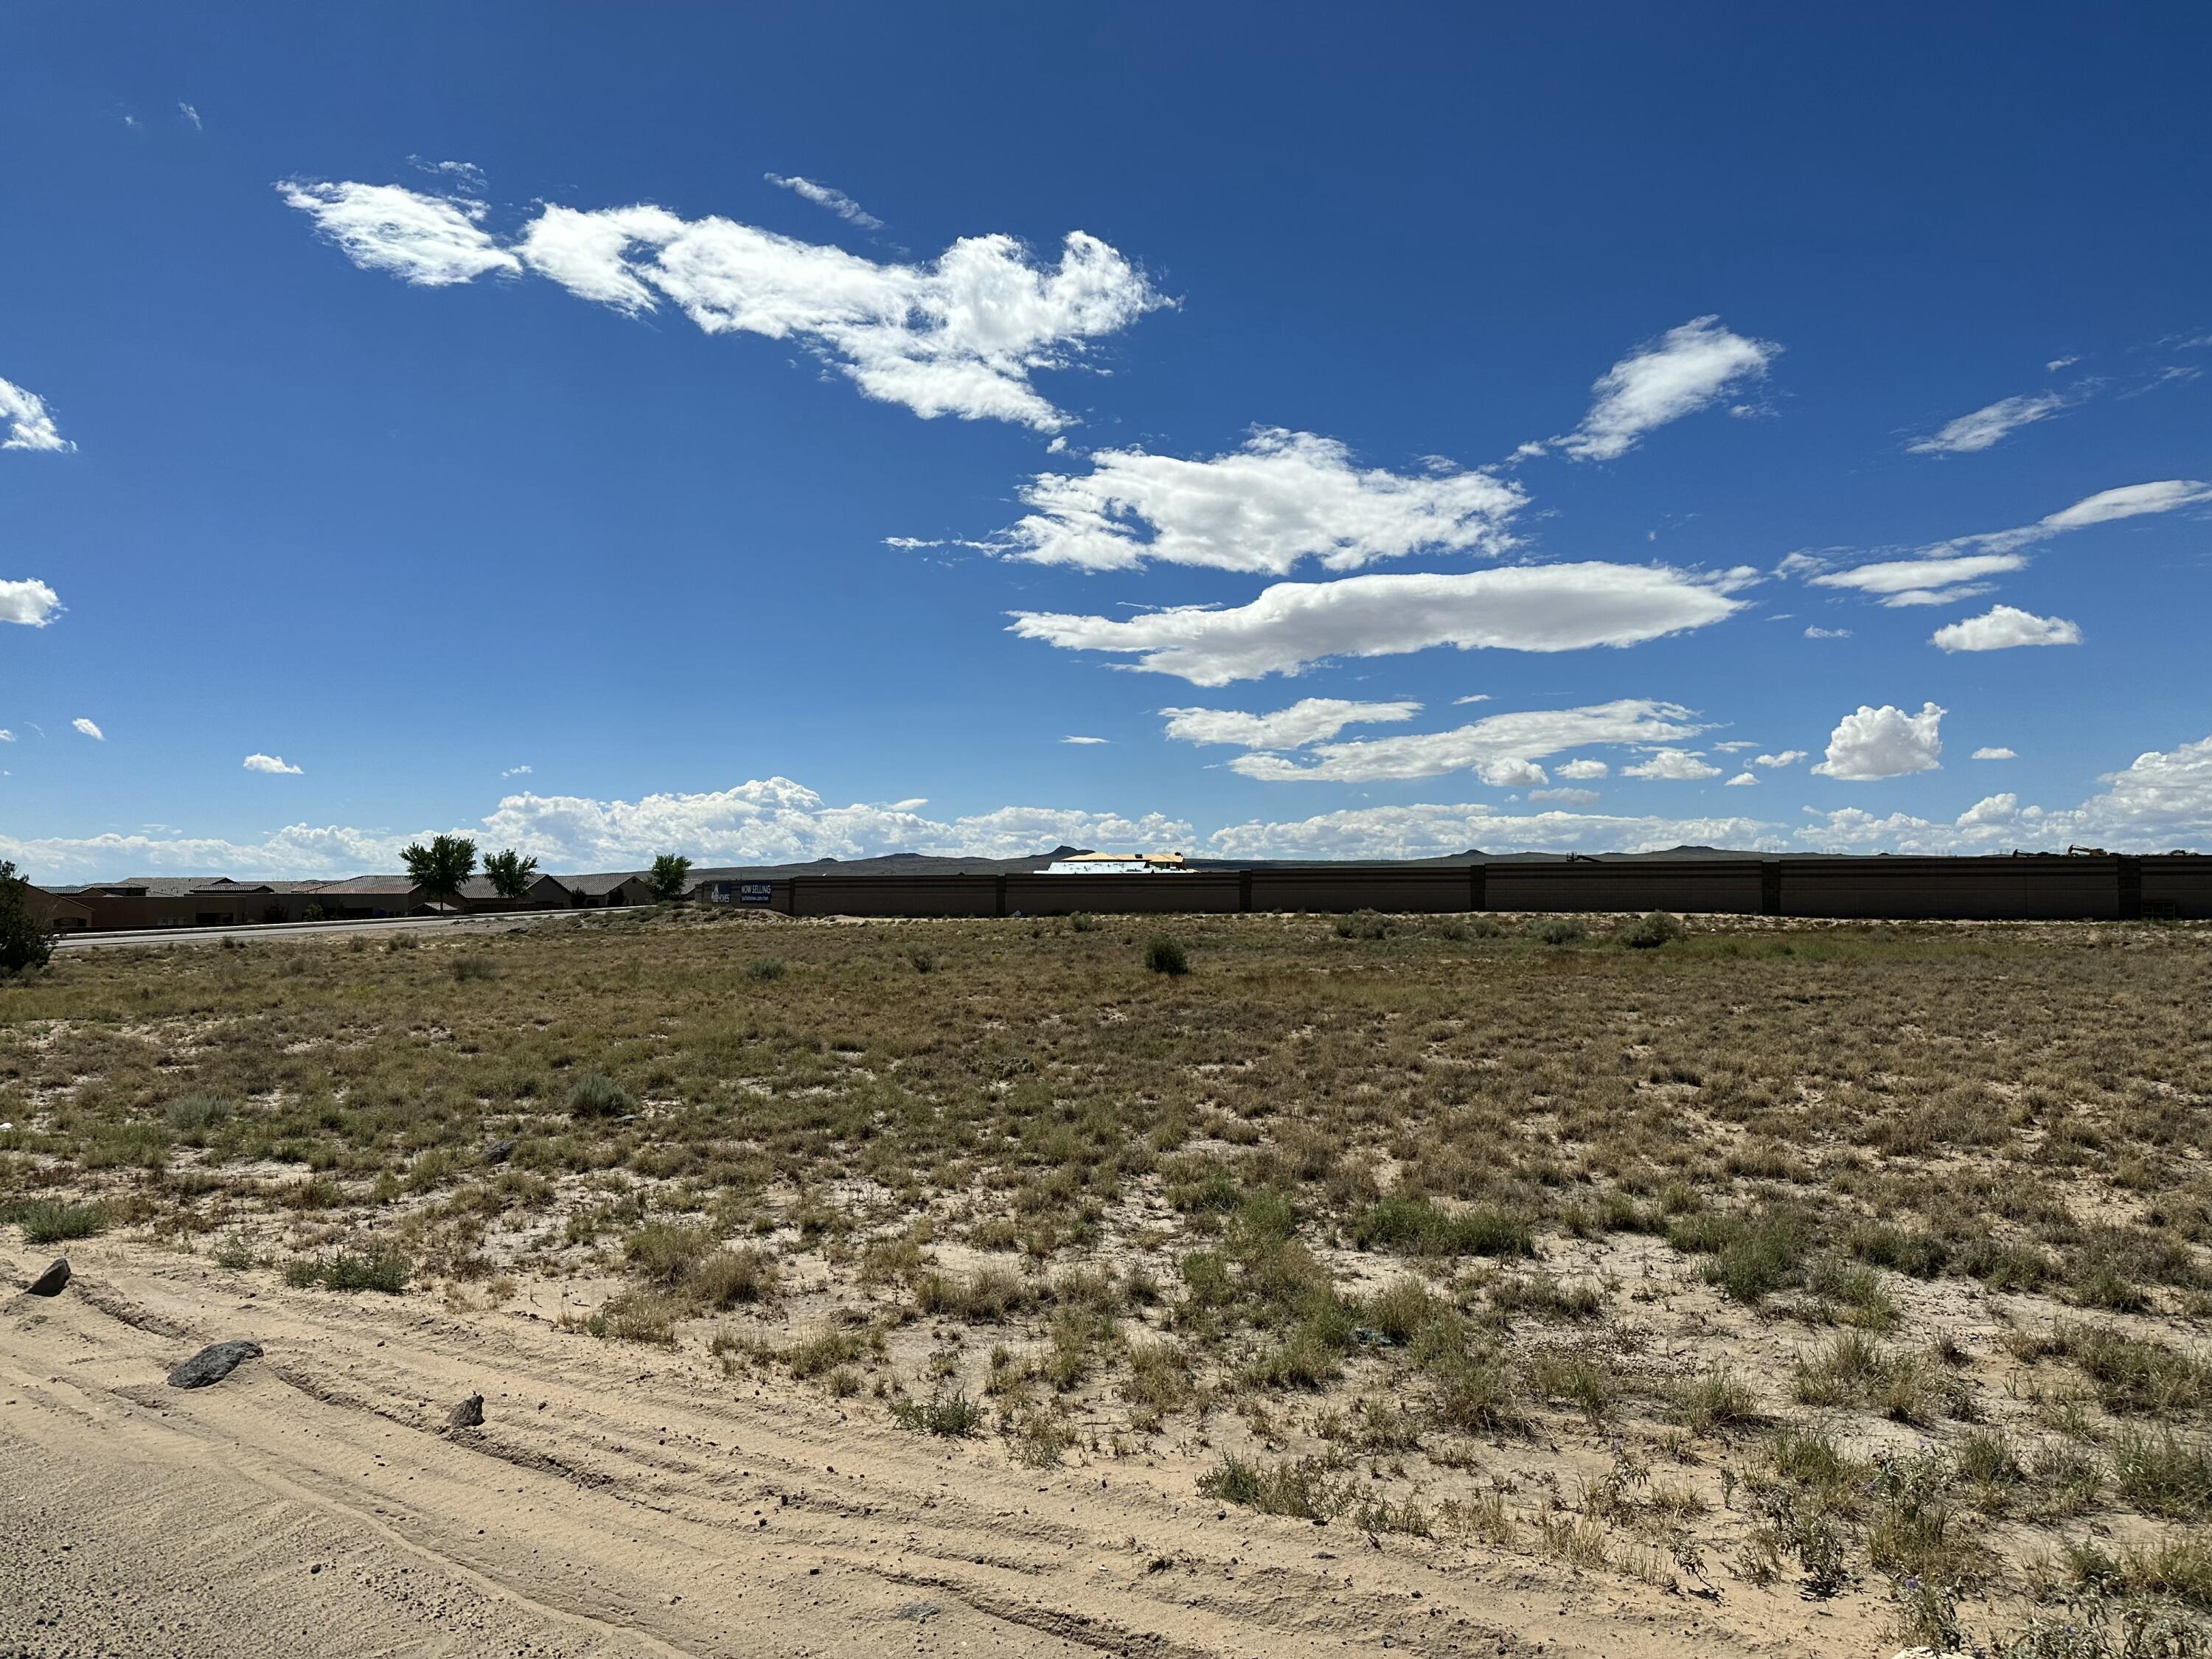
x=754, y=892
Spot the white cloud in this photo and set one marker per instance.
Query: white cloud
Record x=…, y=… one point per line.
x=1566, y=797
x=191, y=116
x=2057, y=363
x=1890, y=577
x=6, y=735
x=1742, y=779
x=516, y=772
x=2162, y=800
x=29, y=424
x=1994, y=754
x=432, y=241
x=1085, y=740
x=1827, y=633
x=1583, y=770
x=1951, y=571
x=822, y=196
x=1312, y=720
x=1502, y=750
x=1673, y=765
x=1884, y=743
x=1682, y=372
x=1479, y=696
x=2004, y=627
x=958, y=336
x=1787, y=758
x=1970, y=433
x=467, y=174
x=1426, y=831
x=30, y=601
x=1559, y=607
x=258, y=763
x=1285, y=497
x=88, y=729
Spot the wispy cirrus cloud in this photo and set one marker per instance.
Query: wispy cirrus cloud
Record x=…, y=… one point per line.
x=1540, y=608
x=1987, y=426
x=1502, y=750
x=1685, y=370
x=1958, y=568
x=822, y=196
x=1309, y=720
x=29, y=423
x=960, y=335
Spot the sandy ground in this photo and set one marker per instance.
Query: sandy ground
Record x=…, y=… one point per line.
x=620, y=1500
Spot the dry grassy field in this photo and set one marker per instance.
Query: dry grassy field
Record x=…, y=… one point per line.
x=1785, y=1272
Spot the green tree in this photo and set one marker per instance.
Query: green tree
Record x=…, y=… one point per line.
x=441, y=868
x=670, y=871
x=22, y=936
x=510, y=873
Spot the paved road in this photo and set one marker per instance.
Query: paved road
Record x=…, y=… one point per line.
x=482, y=924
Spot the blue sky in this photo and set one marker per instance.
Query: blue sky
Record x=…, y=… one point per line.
x=780, y=431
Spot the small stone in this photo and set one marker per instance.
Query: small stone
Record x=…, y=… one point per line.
x=50, y=1282
x=469, y=1414
x=499, y=1152
x=213, y=1363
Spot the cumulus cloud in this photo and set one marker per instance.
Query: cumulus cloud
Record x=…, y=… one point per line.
x=2163, y=799
x=2002, y=627
x=1787, y=758
x=1312, y=720
x=1675, y=765
x=958, y=336
x=29, y=424
x=1580, y=770
x=1884, y=743
x=88, y=729
x=515, y=772
x=1827, y=633
x=1285, y=497
x=1502, y=750
x=1566, y=797
x=1685, y=370
x=822, y=196
x=1951, y=571
x=259, y=762
x=30, y=601
x=191, y=115
x=1426, y=831
x=1558, y=607
x=1995, y=754
x=1742, y=779
x=1986, y=427
x=432, y=241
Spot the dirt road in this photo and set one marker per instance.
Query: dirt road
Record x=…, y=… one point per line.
x=626, y=1500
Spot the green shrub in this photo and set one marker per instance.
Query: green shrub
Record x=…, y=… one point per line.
x=195, y=1114
x=1650, y=933
x=1166, y=956
x=1421, y=1224
x=764, y=968
x=467, y=969
x=953, y=1415
x=387, y=1271
x=1557, y=930
x=597, y=1095
x=48, y=1221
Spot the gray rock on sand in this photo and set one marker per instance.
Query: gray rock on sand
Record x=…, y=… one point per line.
x=469, y=1414
x=50, y=1282
x=499, y=1152
x=212, y=1365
